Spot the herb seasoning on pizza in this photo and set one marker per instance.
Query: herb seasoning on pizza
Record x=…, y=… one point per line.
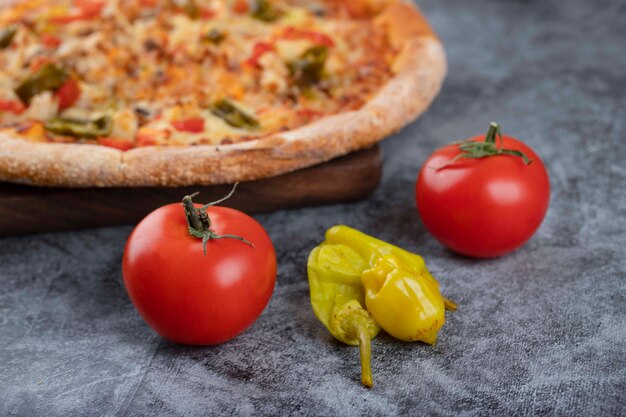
x=173, y=92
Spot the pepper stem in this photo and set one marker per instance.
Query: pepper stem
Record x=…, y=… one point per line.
x=199, y=222
x=449, y=304
x=365, y=350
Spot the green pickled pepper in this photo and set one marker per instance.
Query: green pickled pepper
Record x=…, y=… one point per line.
x=6, y=36
x=78, y=128
x=308, y=69
x=233, y=115
x=48, y=78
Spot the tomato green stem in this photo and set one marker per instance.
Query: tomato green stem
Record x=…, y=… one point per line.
x=199, y=222
x=192, y=213
x=494, y=129
x=476, y=149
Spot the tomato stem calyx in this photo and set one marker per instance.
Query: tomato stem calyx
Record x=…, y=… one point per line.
x=199, y=222
x=491, y=146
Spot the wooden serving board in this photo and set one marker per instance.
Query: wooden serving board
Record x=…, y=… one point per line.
x=26, y=209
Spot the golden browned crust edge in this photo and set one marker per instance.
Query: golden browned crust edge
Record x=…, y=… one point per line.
x=58, y=163
x=419, y=72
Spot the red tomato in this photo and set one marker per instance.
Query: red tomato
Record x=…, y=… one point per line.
x=191, y=297
x=68, y=93
x=483, y=207
x=121, y=144
x=12, y=106
x=193, y=125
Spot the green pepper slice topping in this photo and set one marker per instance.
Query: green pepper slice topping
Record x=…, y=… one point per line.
x=234, y=116
x=215, y=36
x=6, y=36
x=309, y=68
x=49, y=77
x=264, y=11
x=89, y=129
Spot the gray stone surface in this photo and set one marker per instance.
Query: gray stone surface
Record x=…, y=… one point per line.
x=539, y=332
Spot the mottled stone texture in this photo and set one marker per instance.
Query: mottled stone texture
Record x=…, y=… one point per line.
x=539, y=332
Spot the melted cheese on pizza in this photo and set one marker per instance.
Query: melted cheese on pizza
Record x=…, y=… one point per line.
x=127, y=73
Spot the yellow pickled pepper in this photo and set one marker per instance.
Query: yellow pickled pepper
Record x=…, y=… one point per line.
x=400, y=293
x=350, y=270
x=338, y=299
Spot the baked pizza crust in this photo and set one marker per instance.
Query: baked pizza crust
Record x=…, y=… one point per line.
x=419, y=70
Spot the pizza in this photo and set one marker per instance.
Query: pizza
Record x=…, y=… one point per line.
x=182, y=92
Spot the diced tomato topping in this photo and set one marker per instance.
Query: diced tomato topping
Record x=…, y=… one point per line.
x=145, y=139
x=320, y=39
x=241, y=6
x=356, y=9
x=85, y=10
x=68, y=93
x=317, y=38
x=258, y=50
x=12, y=106
x=121, y=144
x=50, y=41
x=193, y=125
x=38, y=62
x=63, y=20
x=89, y=8
x=309, y=113
x=206, y=14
